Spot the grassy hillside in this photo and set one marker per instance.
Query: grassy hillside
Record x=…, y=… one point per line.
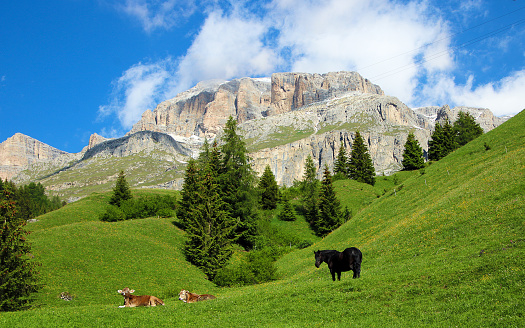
x=442, y=247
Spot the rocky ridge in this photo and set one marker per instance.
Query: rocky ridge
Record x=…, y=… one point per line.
x=284, y=119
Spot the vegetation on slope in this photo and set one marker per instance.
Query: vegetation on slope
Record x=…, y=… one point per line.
x=443, y=246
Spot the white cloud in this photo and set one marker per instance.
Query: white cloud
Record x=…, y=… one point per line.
x=394, y=44
x=228, y=46
x=138, y=89
x=157, y=14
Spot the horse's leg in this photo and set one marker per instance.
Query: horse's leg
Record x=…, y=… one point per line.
x=339, y=275
x=333, y=274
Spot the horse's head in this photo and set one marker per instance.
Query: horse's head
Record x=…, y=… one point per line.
x=318, y=258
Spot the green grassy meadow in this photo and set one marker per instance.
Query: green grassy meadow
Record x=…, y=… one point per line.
x=442, y=247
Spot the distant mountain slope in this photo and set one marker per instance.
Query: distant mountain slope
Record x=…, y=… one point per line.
x=283, y=119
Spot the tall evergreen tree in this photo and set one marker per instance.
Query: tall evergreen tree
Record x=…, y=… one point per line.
x=329, y=207
x=360, y=165
x=449, y=138
x=413, y=154
x=188, y=193
x=287, y=213
x=436, y=144
x=237, y=181
x=466, y=129
x=341, y=163
x=209, y=227
x=121, y=192
x=310, y=191
x=17, y=273
x=442, y=142
x=269, y=189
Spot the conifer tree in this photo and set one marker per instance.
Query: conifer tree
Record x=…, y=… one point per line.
x=360, y=165
x=310, y=191
x=188, y=193
x=466, y=129
x=269, y=190
x=17, y=273
x=209, y=227
x=442, y=142
x=287, y=213
x=341, y=163
x=436, y=144
x=121, y=192
x=237, y=181
x=329, y=217
x=413, y=154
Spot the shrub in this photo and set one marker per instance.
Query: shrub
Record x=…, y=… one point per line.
x=112, y=214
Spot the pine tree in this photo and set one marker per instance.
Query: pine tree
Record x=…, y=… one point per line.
x=209, y=227
x=341, y=163
x=413, y=154
x=436, y=144
x=121, y=192
x=188, y=193
x=237, y=181
x=442, y=142
x=360, y=164
x=449, y=138
x=269, y=190
x=329, y=207
x=17, y=273
x=310, y=191
x=287, y=213
x=466, y=129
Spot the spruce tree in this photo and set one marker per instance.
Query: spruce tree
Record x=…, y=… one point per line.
x=310, y=191
x=17, y=273
x=449, y=138
x=209, y=227
x=413, y=154
x=360, y=165
x=188, y=193
x=436, y=144
x=341, y=163
x=121, y=192
x=329, y=217
x=237, y=181
x=287, y=213
x=466, y=129
x=269, y=190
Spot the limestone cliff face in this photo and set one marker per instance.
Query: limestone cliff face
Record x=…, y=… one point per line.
x=19, y=151
x=204, y=109
x=383, y=121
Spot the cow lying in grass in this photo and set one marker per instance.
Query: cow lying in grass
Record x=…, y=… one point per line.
x=188, y=297
x=133, y=301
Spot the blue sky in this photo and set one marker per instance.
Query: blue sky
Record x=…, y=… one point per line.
x=70, y=68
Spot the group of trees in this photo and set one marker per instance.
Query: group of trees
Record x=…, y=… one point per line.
x=359, y=166
x=445, y=139
x=123, y=206
x=18, y=276
x=218, y=202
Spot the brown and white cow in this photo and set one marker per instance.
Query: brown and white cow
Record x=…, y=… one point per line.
x=188, y=297
x=133, y=300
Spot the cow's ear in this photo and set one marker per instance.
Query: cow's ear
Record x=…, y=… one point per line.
x=132, y=291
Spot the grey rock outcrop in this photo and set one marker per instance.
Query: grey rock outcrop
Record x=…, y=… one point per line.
x=204, y=109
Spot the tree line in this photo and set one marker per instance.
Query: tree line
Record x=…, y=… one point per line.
x=445, y=139
x=18, y=275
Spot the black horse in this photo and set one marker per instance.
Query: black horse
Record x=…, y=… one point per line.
x=349, y=259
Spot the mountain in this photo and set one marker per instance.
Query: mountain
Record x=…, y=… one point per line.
x=283, y=119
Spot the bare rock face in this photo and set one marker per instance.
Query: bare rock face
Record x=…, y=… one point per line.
x=203, y=110
x=20, y=151
x=483, y=116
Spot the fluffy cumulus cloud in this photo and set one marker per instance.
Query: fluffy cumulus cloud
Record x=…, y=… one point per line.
x=404, y=46
x=138, y=89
